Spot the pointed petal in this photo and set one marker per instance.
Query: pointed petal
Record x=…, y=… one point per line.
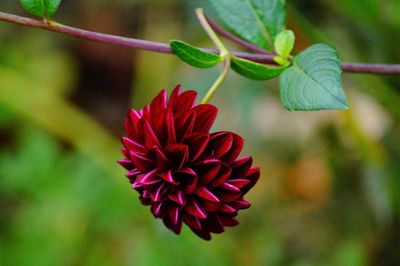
x=213, y=224
x=223, y=174
x=240, y=204
x=178, y=197
x=178, y=154
x=210, y=206
x=192, y=221
x=182, y=102
x=142, y=163
x=220, y=143
x=158, y=209
x=160, y=193
x=132, y=145
x=228, y=221
x=150, y=137
x=174, y=214
x=159, y=102
x=253, y=175
x=227, y=209
x=163, y=162
x=157, y=110
x=187, y=178
x=174, y=95
x=197, y=143
x=228, y=186
x=167, y=176
x=127, y=164
x=150, y=178
x=194, y=209
x=207, y=170
x=239, y=183
x=205, y=117
x=204, y=234
x=241, y=166
x=170, y=126
x=184, y=124
x=204, y=193
x=174, y=227
x=235, y=150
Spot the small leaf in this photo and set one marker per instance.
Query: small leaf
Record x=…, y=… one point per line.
x=41, y=8
x=256, y=21
x=254, y=70
x=284, y=43
x=194, y=56
x=314, y=81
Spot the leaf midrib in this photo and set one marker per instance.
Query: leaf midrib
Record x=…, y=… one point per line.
x=264, y=29
x=297, y=67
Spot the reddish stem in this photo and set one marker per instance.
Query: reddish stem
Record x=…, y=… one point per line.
x=383, y=69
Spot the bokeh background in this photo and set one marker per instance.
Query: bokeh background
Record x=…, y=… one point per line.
x=330, y=187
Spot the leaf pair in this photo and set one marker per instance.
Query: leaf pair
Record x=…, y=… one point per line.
x=41, y=8
x=201, y=59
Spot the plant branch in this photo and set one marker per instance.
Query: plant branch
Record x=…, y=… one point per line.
x=382, y=69
x=235, y=39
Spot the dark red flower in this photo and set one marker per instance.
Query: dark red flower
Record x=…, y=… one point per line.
x=181, y=170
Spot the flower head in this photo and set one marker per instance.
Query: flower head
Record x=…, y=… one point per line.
x=186, y=174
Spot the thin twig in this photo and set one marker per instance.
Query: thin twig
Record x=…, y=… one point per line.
x=235, y=39
x=382, y=69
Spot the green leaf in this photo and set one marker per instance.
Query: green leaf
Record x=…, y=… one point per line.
x=284, y=43
x=41, y=8
x=314, y=81
x=257, y=21
x=194, y=56
x=254, y=70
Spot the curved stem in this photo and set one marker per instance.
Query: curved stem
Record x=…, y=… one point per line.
x=235, y=39
x=211, y=33
x=379, y=69
x=217, y=84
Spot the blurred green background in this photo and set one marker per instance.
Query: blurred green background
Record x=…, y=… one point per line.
x=330, y=187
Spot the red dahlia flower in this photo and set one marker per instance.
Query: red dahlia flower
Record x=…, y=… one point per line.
x=181, y=170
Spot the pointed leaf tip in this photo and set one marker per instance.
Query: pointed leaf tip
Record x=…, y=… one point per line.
x=194, y=56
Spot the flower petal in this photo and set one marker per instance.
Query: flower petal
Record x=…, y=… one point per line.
x=207, y=170
x=228, y=221
x=205, y=117
x=204, y=193
x=178, y=154
x=178, y=197
x=223, y=174
x=197, y=143
x=184, y=124
x=192, y=221
x=142, y=163
x=132, y=145
x=163, y=162
x=239, y=183
x=240, y=204
x=235, y=150
x=241, y=166
x=194, y=209
x=149, y=136
x=220, y=143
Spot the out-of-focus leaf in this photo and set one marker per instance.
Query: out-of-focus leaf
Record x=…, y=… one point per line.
x=257, y=21
x=254, y=70
x=41, y=8
x=194, y=56
x=314, y=81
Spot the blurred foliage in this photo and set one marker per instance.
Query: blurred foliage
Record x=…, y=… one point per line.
x=330, y=187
